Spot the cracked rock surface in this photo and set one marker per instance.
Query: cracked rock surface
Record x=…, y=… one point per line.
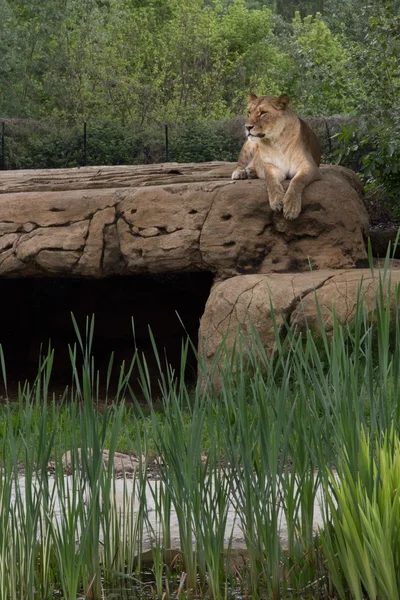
x=246, y=301
x=100, y=221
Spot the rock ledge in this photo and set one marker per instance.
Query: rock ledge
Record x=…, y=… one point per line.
x=100, y=221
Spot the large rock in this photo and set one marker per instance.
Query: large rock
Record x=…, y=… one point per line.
x=95, y=222
x=123, y=464
x=248, y=301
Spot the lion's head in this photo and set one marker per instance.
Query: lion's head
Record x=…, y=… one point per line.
x=267, y=116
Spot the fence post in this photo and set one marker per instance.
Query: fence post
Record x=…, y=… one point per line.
x=84, y=144
x=166, y=143
x=3, y=146
x=329, y=136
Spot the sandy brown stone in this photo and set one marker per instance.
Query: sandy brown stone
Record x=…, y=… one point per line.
x=57, y=261
x=8, y=228
x=338, y=296
x=172, y=218
x=47, y=180
x=47, y=209
x=10, y=264
x=250, y=237
x=113, y=262
x=72, y=237
x=246, y=302
x=7, y=241
x=123, y=464
x=28, y=227
x=90, y=262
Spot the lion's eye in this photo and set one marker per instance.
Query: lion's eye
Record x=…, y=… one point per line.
x=262, y=113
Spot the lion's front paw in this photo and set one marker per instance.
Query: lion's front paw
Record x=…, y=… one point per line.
x=276, y=200
x=291, y=206
x=251, y=173
x=239, y=173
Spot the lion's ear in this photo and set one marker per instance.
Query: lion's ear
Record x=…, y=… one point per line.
x=282, y=102
x=251, y=97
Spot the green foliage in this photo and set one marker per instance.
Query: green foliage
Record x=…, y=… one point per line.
x=375, y=144
x=380, y=59
x=288, y=8
x=323, y=65
x=178, y=60
x=365, y=516
x=43, y=146
x=200, y=142
x=152, y=62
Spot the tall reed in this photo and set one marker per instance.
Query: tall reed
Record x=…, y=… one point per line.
x=316, y=418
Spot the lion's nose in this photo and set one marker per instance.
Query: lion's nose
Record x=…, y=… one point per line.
x=249, y=127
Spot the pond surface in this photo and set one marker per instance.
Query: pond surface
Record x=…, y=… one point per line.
x=128, y=497
x=128, y=488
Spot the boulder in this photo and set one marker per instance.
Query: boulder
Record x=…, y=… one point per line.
x=124, y=464
x=99, y=221
x=248, y=301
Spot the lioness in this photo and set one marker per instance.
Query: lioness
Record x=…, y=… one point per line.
x=279, y=145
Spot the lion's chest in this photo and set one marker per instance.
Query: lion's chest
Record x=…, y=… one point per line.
x=275, y=156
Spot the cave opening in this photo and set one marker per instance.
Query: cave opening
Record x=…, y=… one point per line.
x=37, y=312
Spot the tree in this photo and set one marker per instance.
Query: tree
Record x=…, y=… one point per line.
x=326, y=83
x=10, y=64
x=377, y=61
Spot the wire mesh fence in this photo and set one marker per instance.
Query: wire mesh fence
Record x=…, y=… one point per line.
x=31, y=144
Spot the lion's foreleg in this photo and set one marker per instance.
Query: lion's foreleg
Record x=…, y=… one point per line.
x=244, y=169
x=293, y=196
x=273, y=178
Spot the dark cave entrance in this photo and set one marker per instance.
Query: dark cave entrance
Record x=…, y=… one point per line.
x=34, y=311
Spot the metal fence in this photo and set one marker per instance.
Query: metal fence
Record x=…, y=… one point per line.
x=31, y=144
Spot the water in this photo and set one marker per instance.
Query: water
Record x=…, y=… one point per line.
x=129, y=487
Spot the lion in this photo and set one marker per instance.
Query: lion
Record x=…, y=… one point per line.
x=279, y=146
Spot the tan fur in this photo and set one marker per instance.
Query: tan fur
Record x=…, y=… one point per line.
x=279, y=146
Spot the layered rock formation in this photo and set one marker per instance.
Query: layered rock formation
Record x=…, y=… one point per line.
x=161, y=220
x=96, y=222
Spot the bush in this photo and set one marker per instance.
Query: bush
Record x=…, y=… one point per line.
x=46, y=145
x=35, y=145
x=202, y=142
